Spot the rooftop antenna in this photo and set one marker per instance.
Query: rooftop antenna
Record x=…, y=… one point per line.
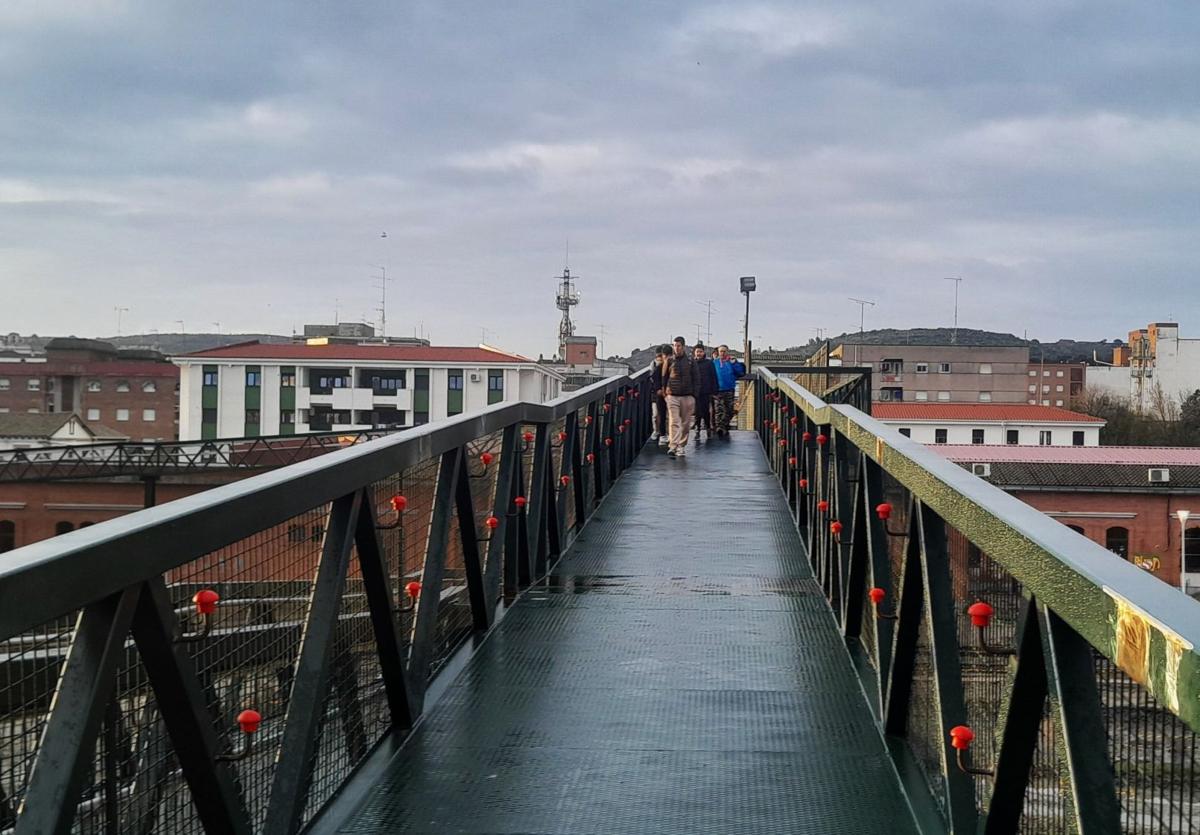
x=954, y=333
x=862, y=317
x=708, y=304
x=566, y=298
x=603, y=331
x=182, y=329
x=337, y=309
x=382, y=280
x=698, y=327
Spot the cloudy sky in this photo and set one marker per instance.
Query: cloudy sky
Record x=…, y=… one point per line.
x=237, y=163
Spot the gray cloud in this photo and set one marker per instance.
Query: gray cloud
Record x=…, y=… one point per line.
x=237, y=163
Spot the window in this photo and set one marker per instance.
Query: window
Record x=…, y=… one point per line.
x=943, y=395
x=1033, y=389
x=287, y=378
x=8, y=535
x=921, y=395
x=922, y=368
x=253, y=377
x=208, y=415
x=943, y=368
x=892, y=366
x=1045, y=389
x=317, y=532
x=122, y=385
x=1058, y=403
x=1058, y=388
x=252, y=415
x=905, y=431
x=888, y=394
x=287, y=417
x=34, y=410
x=1045, y=402
x=985, y=368
x=33, y=384
x=939, y=436
x=495, y=386
x=1032, y=373
x=297, y=533
x=3, y=410
x=1045, y=437
x=985, y=397
x=455, y=381
x=1045, y=373
x=1191, y=550
x=93, y=414
x=1031, y=402
x=149, y=414
x=94, y=385
x=149, y=387
x=210, y=375
x=1077, y=438
x=977, y=436
x=4, y=384
x=122, y=414
x=1117, y=541
x=61, y=528
x=1059, y=374
x=1012, y=437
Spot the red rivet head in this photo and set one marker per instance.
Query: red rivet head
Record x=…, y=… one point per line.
x=621, y=428
x=804, y=484
x=791, y=460
x=562, y=436
x=794, y=420
x=961, y=737
x=487, y=458
x=636, y=394
x=821, y=439
x=822, y=505
x=565, y=480
x=782, y=442
x=784, y=408
x=835, y=526
x=528, y=437
x=629, y=421
x=607, y=406
x=981, y=614
x=205, y=601
x=806, y=437
x=608, y=441
x=399, y=503
x=883, y=510
x=877, y=595
x=412, y=589
x=766, y=421
x=587, y=420
x=248, y=721
x=591, y=457
x=492, y=522
x=620, y=398
x=520, y=501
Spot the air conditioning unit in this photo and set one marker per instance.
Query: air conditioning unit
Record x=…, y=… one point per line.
x=475, y=378
x=981, y=470
x=1159, y=476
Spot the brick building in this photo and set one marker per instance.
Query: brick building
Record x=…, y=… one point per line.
x=1124, y=498
x=133, y=392
x=1059, y=384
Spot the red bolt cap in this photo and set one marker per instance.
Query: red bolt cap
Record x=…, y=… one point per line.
x=806, y=437
x=591, y=456
x=487, y=458
x=766, y=421
x=621, y=428
x=565, y=480
x=248, y=721
x=206, y=601
x=804, y=484
x=608, y=441
x=791, y=460
x=877, y=594
x=783, y=442
x=883, y=510
x=587, y=420
x=822, y=505
x=520, y=501
x=961, y=737
x=981, y=613
x=492, y=522
x=412, y=589
x=835, y=526
x=528, y=437
x=562, y=436
x=620, y=398
x=821, y=439
x=794, y=420
x=607, y=406
x=629, y=421
x=784, y=408
x=399, y=503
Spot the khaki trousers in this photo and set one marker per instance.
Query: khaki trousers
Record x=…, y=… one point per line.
x=680, y=411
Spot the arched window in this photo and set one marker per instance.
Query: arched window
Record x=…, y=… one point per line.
x=1117, y=541
x=63, y=527
x=1075, y=528
x=1191, y=551
x=8, y=535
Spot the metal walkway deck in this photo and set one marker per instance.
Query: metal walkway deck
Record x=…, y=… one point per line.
x=681, y=672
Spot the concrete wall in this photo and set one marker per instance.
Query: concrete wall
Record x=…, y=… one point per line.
x=994, y=434
x=968, y=376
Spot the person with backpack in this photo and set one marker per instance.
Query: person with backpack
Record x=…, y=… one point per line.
x=681, y=383
x=728, y=371
x=708, y=388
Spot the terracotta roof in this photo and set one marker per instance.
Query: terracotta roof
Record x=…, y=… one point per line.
x=978, y=412
x=1142, y=456
x=335, y=351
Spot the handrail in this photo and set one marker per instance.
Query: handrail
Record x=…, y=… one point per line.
x=1098, y=596
x=155, y=540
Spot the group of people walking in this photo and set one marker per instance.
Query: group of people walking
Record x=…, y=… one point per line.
x=694, y=393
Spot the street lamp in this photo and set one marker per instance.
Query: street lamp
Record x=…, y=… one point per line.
x=1183, y=518
x=748, y=287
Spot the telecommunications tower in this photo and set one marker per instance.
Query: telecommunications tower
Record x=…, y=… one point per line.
x=566, y=298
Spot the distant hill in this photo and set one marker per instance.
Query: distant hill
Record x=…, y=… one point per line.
x=1063, y=350
x=173, y=344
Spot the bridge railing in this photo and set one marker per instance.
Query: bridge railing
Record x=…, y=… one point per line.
x=342, y=585
x=971, y=614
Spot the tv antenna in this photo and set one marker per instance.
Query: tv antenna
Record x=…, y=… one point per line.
x=954, y=333
x=566, y=298
x=708, y=305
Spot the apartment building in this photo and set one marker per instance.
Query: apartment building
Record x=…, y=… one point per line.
x=1156, y=367
x=1059, y=384
x=1008, y=424
x=133, y=392
x=255, y=389
x=941, y=373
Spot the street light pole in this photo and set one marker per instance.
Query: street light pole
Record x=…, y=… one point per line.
x=748, y=285
x=954, y=333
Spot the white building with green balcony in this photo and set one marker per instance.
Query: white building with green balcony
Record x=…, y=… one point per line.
x=254, y=389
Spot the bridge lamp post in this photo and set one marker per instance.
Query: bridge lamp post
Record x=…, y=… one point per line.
x=748, y=287
x=1183, y=516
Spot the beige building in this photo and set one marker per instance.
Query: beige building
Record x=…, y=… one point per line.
x=942, y=373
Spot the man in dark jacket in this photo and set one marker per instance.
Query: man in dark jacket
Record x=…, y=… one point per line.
x=681, y=383
x=656, y=386
x=708, y=387
x=728, y=371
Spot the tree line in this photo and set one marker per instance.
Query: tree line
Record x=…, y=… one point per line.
x=1165, y=421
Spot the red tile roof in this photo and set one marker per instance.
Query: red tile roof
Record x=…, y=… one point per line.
x=1148, y=456
x=977, y=412
x=350, y=353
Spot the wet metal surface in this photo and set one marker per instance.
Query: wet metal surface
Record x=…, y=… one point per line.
x=679, y=673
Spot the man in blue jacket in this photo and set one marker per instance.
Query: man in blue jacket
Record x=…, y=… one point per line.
x=729, y=371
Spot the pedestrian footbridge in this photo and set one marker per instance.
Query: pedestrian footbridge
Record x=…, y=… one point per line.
x=529, y=620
